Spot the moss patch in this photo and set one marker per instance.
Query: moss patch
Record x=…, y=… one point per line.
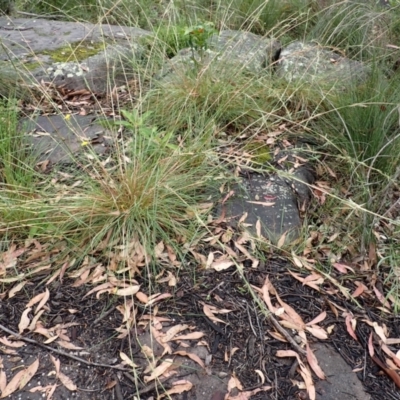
x=77, y=51
x=261, y=153
x=31, y=66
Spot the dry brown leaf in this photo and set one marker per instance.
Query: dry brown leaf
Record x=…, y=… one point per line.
x=303, y=370
x=43, y=301
x=56, y=363
x=9, y=343
x=51, y=339
x=234, y=383
x=210, y=314
x=67, y=382
x=381, y=297
x=16, y=289
x=317, y=331
x=160, y=370
x=159, y=297
x=389, y=372
x=29, y=373
x=281, y=241
x=9, y=351
x=3, y=380
x=25, y=321
x=47, y=390
x=266, y=297
x=104, y=286
x=342, y=268
x=178, y=387
x=349, y=326
x=307, y=377
x=261, y=375
x=35, y=319
x=392, y=341
x=36, y=299
x=313, y=362
x=13, y=385
x=142, y=297
x=317, y=319
x=395, y=357
x=173, y=331
x=277, y=336
x=128, y=291
x=222, y=265
x=359, y=291
x=68, y=345
x=127, y=360
x=192, y=356
x=189, y=336
x=20, y=379
x=292, y=314
x=380, y=332
x=158, y=336
x=258, y=229
x=297, y=261
x=261, y=203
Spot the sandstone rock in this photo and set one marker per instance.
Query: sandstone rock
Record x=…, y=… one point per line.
x=60, y=140
x=245, y=49
x=99, y=73
x=28, y=44
x=318, y=65
x=241, y=50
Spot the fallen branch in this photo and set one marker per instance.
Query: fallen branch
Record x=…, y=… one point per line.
x=287, y=336
x=59, y=352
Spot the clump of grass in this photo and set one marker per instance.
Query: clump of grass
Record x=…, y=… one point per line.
x=154, y=192
x=18, y=178
x=360, y=29
x=193, y=94
x=367, y=120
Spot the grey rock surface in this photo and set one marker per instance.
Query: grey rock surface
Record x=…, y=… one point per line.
x=207, y=382
x=315, y=64
x=61, y=140
x=268, y=199
x=27, y=44
x=243, y=50
x=27, y=37
x=341, y=383
x=274, y=200
x=99, y=73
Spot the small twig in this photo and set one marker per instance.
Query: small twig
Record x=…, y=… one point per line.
x=106, y=314
x=286, y=335
x=60, y=352
x=161, y=382
x=251, y=324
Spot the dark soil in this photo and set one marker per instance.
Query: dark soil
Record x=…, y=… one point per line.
x=246, y=329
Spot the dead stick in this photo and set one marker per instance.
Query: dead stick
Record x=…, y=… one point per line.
x=60, y=352
x=286, y=335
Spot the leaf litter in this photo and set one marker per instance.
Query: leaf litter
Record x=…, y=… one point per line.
x=142, y=311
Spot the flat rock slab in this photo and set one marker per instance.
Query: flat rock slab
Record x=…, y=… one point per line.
x=61, y=140
x=27, y=37
x=208, y=383
x=268, y=200
x=342, y=383
x=315, y=64
x=28, y=45
x=274, y=201
x=228, y=49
